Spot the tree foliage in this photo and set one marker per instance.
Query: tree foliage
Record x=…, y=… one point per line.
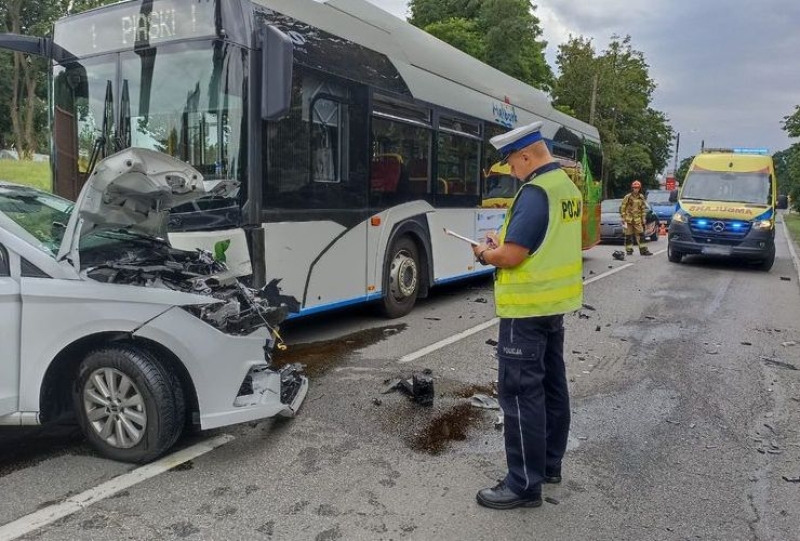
x=683, y=169
x=24, y=78
x=787, y=162
x=637, y=139
x=506, y=34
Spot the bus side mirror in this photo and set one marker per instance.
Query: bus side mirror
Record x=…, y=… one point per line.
x=277, y=58
x=783, y=202
x=673, y=196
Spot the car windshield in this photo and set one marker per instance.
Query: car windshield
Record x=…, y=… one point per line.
x=658, y=197
x=500, y=186
x=724, y=186
x=43, y=215
x=610, y=205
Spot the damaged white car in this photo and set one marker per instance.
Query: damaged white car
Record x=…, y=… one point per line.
x=102, y=320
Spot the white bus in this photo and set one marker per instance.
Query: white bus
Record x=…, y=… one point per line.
x=338, y=140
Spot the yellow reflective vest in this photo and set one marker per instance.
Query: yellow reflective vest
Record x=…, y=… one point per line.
x=550, y=280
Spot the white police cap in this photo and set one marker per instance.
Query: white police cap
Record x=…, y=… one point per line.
x=517, y=139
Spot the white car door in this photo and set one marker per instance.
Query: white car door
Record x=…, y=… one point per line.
x=10, y=312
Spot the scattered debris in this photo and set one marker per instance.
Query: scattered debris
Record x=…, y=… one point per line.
x=597, y=329
x=692, y=425
x=611, y=266
x=774, y=451
x=483, y=401
x=582, y=438
x=391, y=385
x=619, y=255
x=554, y=501
x=590, y=307
x=670, y=421
x=498, y=423
x=591, y=272
x=747, y=343
x=791, y=479
x=649, y=317
x=419, y=388
x=581, y=315
x=491, y=342
x=778, y=363
x=790, y=343
x=770, y=427
x=481, y=300
x=786, y=279
x=377, y=401
x=760, y=451
x=433, y=318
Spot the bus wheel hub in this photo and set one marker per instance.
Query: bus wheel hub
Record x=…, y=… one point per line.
x=403, y=277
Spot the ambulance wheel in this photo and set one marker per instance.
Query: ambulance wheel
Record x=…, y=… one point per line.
x=766, y=264
x=402, y=278
x=673, y=255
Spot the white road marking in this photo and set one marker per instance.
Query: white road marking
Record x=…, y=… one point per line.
x=483, y=326
x=43, y=517
x=791, y=247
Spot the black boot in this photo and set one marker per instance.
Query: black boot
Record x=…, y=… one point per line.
x=552, y=477
x=502, y=497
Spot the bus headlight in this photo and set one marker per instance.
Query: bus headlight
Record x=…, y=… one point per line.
x=762, y=224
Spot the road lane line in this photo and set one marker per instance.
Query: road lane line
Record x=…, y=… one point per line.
x=791, y=247
x=483, y=326
x=73, y=504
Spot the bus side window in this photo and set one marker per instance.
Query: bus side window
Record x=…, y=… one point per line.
x=329, y=138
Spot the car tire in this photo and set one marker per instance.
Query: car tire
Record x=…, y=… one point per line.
x=126, y=404
x=403, y=277
x=654, y=237
x=674, y=256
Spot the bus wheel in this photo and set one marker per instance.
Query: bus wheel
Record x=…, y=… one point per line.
x=403, y=278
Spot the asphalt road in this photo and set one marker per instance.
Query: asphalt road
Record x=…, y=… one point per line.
x=686, y=419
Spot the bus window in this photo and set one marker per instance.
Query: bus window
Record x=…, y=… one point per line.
x=458, y=164
x=400, y=165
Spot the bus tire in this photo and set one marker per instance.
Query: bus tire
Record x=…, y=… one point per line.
x=673, y=255
x=403, y=278
x=146, y=406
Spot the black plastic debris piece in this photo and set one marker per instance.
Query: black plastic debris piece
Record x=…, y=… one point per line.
x=427, y=371
x=786, y=279
x=552, y=500
x=747, y=343
x=649, y=317
x=491, y=342
x=581, y=315
x=481, y=300
x=590, y=307
x=377, y=401
x=433, y=318
x=597, y=329
x=591, y=272
x=791, y=479
x=619, y=255
x=422, y=389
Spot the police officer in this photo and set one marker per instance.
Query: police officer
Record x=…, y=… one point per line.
x=633, y=211
x=539, y=262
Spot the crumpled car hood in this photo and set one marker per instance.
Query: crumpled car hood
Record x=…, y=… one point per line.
x=132, y=189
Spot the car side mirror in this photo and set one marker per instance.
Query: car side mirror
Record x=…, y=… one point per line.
x=783, y=202
x=673, y=196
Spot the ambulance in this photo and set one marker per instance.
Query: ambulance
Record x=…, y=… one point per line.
x=726, y=207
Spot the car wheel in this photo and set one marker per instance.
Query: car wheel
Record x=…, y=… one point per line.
x=654, y=236
x=403, y=278
x=126, y=405
x=673, y=255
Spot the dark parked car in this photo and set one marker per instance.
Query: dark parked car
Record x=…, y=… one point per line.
x=611, y=222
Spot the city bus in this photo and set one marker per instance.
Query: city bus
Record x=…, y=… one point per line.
x=336, y=141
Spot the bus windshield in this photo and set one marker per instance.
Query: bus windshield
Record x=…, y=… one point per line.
x=182, y=99
x=731, y=187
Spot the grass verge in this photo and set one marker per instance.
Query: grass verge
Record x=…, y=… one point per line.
x=36, y=174
x=793, y=223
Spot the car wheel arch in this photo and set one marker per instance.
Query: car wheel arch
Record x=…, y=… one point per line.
x=58, y=383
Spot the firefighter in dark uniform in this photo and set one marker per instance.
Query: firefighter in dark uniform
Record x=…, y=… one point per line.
x=539, y=279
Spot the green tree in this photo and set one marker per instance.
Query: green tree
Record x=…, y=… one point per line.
x=683, y=169
x=613, y=91
x=24, y=88
x=506, y=34
x=787, y=162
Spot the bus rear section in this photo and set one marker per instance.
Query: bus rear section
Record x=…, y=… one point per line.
x=726, y=208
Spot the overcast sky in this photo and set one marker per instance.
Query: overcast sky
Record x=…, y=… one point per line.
x=727, y=71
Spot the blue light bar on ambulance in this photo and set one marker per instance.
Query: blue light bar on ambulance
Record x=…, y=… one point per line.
x=763, y=151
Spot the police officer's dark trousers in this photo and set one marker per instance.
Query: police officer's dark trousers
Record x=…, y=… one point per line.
x=532, y=388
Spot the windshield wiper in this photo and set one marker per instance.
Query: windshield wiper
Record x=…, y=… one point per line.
x=100, y=143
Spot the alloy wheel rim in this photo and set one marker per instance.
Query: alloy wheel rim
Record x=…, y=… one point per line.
x=115, y=408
